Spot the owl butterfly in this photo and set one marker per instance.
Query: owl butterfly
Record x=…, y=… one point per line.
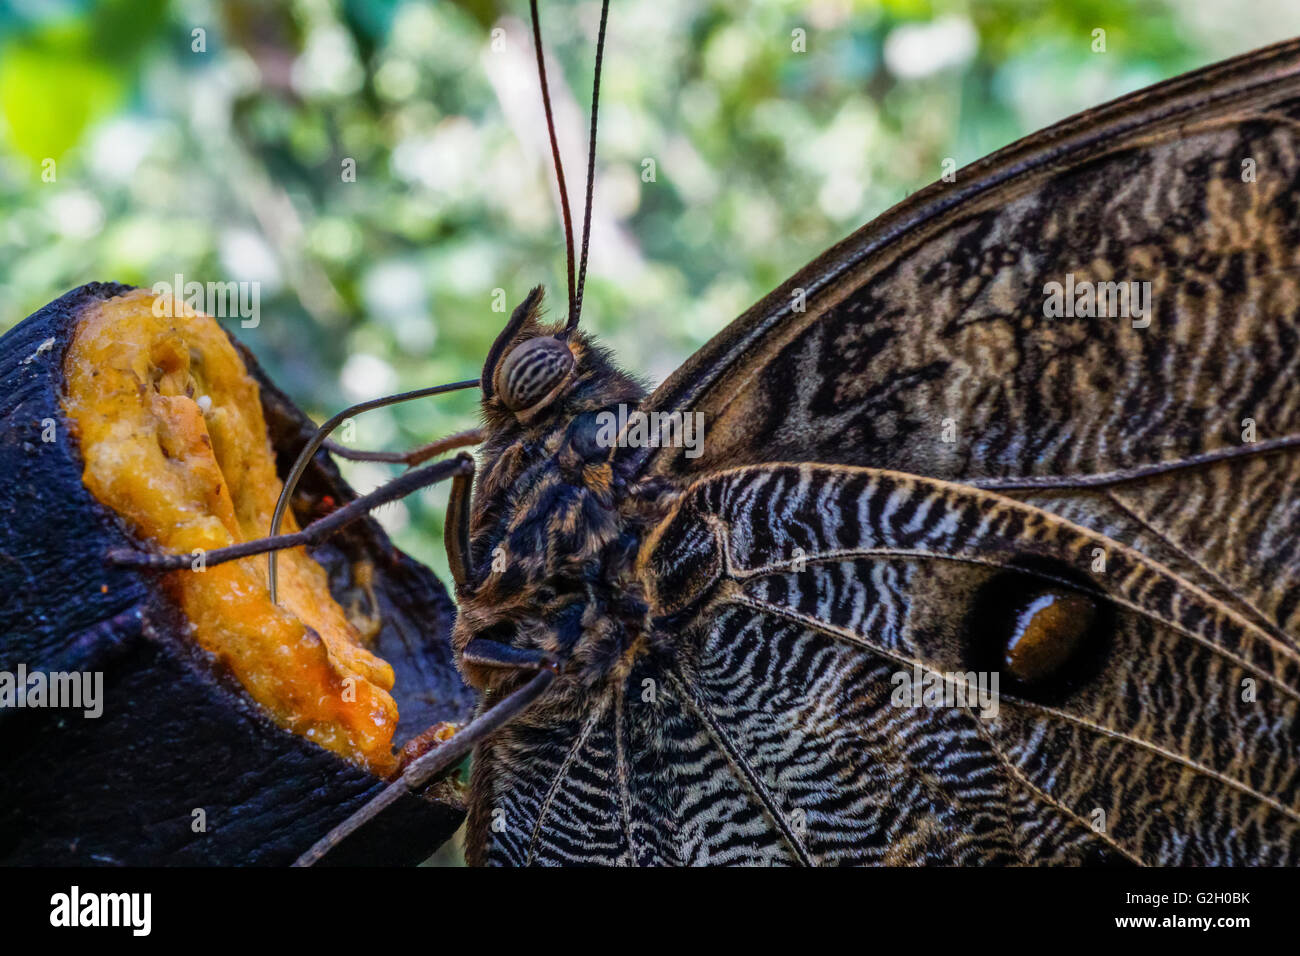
x=931, y=462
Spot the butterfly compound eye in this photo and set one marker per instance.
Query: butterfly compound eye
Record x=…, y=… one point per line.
x=531, y=371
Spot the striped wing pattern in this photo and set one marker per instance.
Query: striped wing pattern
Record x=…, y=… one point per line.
x=768, y=734
x=1185, y=767
x=756, y=723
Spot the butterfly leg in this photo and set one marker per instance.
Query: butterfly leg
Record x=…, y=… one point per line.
x=485, y=652
x=416, y=456
x=422, y=770
x=456, y=529
x=315, y=532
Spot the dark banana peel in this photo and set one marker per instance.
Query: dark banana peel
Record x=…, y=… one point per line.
x=177, y=734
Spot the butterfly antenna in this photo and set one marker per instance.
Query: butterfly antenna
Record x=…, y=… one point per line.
x=555, y=155
x=591, y=169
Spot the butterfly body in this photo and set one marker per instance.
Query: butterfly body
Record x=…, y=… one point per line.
x=922, y=460
x=551, y=540
x=554, y=534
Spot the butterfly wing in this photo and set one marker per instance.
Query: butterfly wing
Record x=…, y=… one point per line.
x=766, y=726
x=936, y=309
x=906, y=332
x=818, y=593
x=965, y=437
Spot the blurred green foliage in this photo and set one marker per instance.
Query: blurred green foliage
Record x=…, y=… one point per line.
x=219, y=154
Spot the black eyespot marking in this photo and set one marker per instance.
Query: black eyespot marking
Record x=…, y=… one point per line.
x=531, y=370
x=1042, y=626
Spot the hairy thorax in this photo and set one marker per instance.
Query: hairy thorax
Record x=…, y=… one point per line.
x=554, y=534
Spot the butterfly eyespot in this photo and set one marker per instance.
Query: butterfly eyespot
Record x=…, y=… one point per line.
x=531, y=371
x=1046, y=633
x=1041, y=626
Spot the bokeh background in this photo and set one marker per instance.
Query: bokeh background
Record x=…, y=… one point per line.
x=210, y=139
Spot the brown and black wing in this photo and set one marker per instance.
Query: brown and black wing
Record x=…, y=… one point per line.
x=817, y=593
x=764, y=725
x=1170, y=439
x=975, y=455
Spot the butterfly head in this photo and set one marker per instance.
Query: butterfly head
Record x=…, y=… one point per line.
x=538, y=374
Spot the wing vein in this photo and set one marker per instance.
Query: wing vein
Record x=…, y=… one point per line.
x=860, y=641
x=1261, y=618
x=1019, y=776
x=1101, y=479
x=596, y=713
x=830, y=557
x=740, y=768
x=620, y=763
